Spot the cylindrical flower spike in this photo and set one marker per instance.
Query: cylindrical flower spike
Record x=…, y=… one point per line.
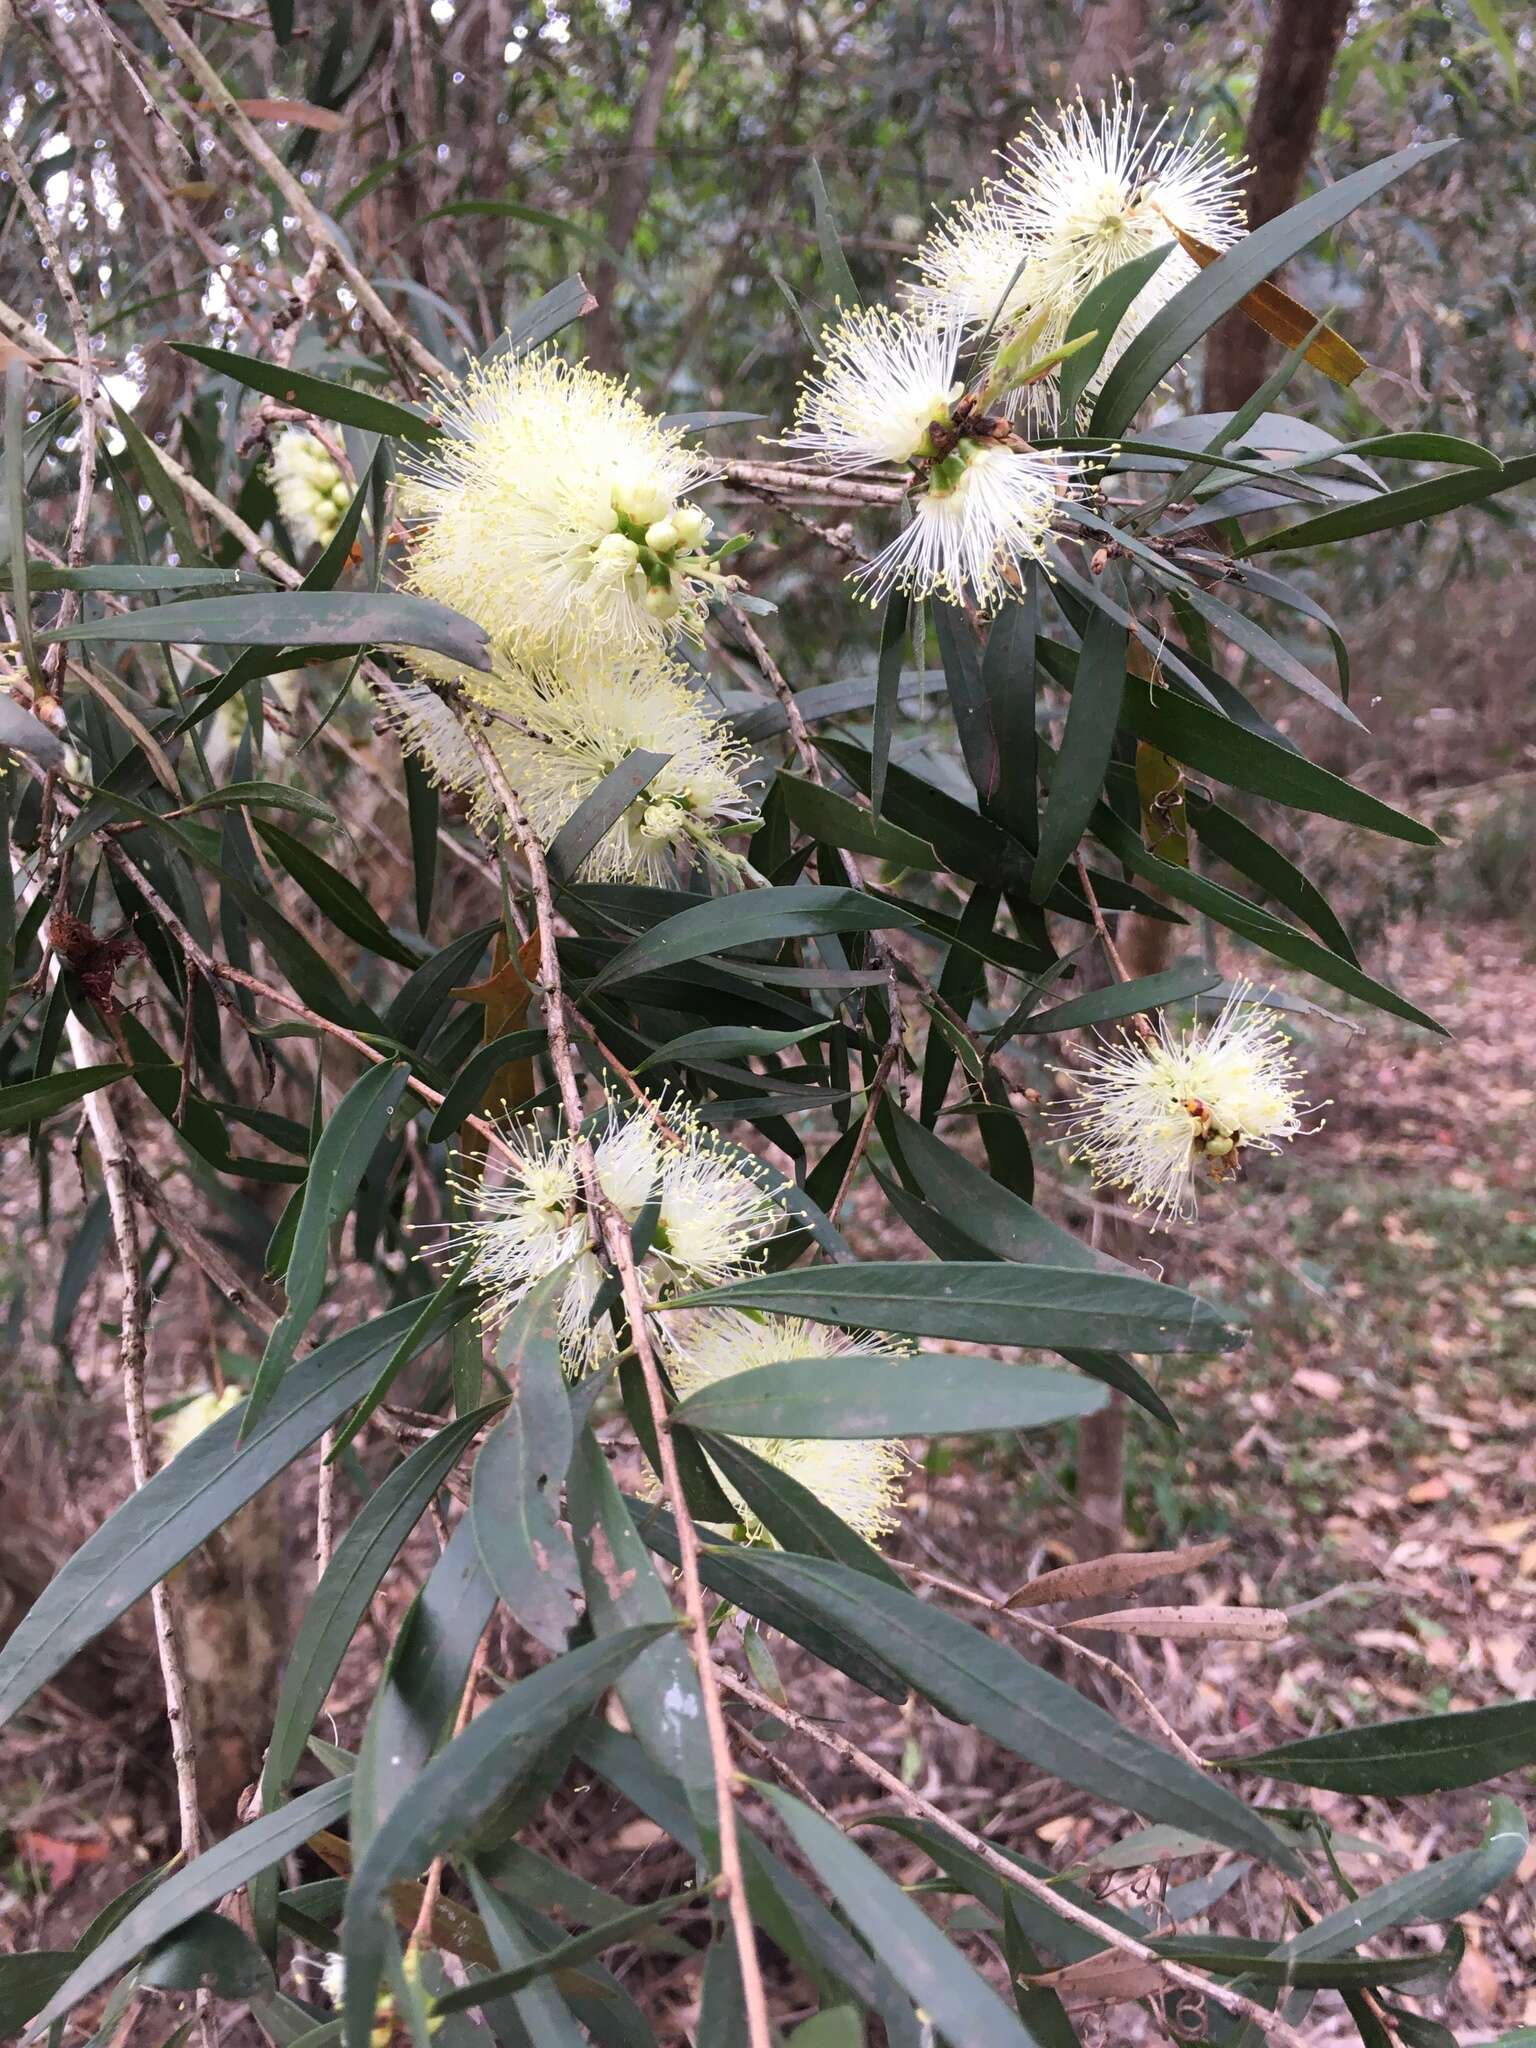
x=1149, y=1112
x=714, y=1212
x=176, y=1430
x=311, y=491
x=537, y=503
x=558, y=731
x=858, y=1479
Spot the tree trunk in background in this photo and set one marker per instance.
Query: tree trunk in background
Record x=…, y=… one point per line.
x=631, y=177
x=1304, y=39
x=233, y=1597
x=1114, y=38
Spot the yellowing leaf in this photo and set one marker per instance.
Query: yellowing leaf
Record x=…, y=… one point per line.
x=1286, y=319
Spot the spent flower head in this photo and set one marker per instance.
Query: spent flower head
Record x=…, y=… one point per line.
x=555, y=512
x=1148, y=1113
x=713, y=1212
x=858, y=1479
x=311, y=491
x=558, y=731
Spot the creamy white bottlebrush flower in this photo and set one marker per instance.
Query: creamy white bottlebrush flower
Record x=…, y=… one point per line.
x=858, y=1479
x=714, y=1211
x=311, y=491
x=987, y=511
x=1148, y=1112
x=558, y=731
x=1080, y=197
x=555, y=512
x=884, y=380
x=983, y=503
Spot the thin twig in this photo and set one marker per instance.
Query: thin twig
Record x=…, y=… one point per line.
x=398, y=338
x=117, y=1176
x=1032, y=1622
x=615, y=1237
x=1013, y=1873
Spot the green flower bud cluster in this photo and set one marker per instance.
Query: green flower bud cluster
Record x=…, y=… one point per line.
x=657, y=546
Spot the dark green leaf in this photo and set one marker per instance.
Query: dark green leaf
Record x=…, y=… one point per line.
x=1099, y=313
x=341, y=1599
x=792, y=1514
x=335, y=619
x=600, y=810
x=659, y=1690
x=726, y=1041
x=515, y=1498
x=208, y=1953
x=199, y=1885
x=750, y=918
x=1044, y=1307
x=1406, y=507
x=459, y=1788
x=462, y=1099
x=347, y=1144
x=25, y=1101
x=1398, y=1759
x=1008, y=686
x=836, y=821
x=337, y=898
x=1125, y=999
x=316, y=395
x=873, y=1395
x=181, y=1506
x=989, y=1686
x=893, y=640
x=962, y=2005
x=1170, y=334
x=1086, y=744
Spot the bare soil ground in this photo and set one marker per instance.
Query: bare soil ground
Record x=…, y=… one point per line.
x=1370, y=1457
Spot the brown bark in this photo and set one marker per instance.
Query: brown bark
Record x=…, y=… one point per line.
x=631, y=178
x=1303, y=42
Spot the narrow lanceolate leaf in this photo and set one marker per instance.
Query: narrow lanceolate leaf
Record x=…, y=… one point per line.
x=25, y=1101
x=600, y=810
x=836, y=821
x=515, y=1496
x=335, y=619
x=199, y=1885
x=184, y=1503
x=752, y=918
x=458, y=1789
x=318, y=395
x=874, y=1395
x=346, y=1145
x=989, y=1686
x=1099, y=314
x=1441, y=1891
x=893, y=642
x=341, y=1599
x=1171, y=333
x=1049, y=1308
x=1405, y=507
x=1125, y=999
x=1397, y=1759
x=660, y=1689
x=941, y=1983
x=1078, y=777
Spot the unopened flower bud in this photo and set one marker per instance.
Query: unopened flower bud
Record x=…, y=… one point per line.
x=692, y=525
x=662, y=536
x=662, y=604
x=642, y=499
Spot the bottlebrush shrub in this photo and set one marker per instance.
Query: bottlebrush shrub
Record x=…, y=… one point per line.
x=542, y=1092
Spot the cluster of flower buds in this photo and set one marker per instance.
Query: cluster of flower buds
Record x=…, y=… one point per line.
x=311, y=491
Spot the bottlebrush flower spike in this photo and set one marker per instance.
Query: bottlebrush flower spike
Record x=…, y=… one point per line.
x=554, y=511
